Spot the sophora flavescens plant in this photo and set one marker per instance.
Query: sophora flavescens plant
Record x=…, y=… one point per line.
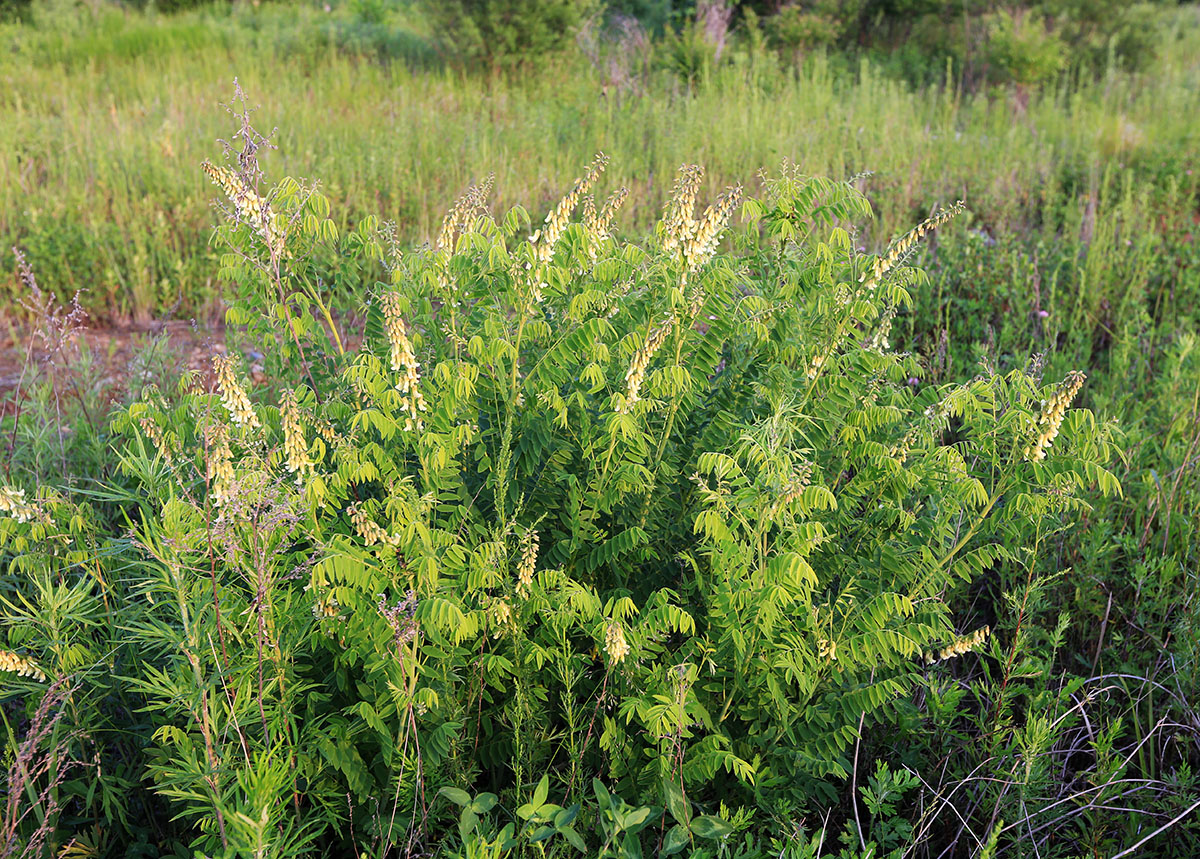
x=660, y=512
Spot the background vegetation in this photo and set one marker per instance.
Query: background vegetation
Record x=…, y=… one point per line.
x=802, y=574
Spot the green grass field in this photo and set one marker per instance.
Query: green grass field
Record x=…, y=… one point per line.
x=103, y=126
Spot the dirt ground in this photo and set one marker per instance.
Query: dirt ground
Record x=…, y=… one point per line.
x=106, y=362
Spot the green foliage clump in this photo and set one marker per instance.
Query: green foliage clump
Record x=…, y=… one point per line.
x=567, y=513
x=497, y=33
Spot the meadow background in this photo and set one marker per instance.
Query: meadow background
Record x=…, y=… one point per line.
x=1068, y=129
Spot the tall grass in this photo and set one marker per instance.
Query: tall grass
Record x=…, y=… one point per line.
x=103, y=124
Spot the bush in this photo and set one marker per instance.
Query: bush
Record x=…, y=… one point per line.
x=579, y=512
x=497, y=33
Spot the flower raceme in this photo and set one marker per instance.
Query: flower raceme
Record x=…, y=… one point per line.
x=1051, y=417
x=248, y=206
x=403, y=361
x=13, y=503
x=636, y=373
x=884, y=264
x=21, y=666
x=233, y=395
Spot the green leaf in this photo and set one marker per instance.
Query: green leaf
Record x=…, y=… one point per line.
x=456, y=795
x=676, y=802
x=542, y=834
x=541, y=791
x=677, y=838
x=569, y=833
x=710, y=826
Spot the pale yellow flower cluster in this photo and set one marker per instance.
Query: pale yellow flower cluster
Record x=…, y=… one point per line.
x=248, y=205
x=884, y=264
x=501, y=612
x=295, y=446
x=219, y=465
x=21, y=666
x=960, y=645
x=614, y=642
x=13, y=503
x=150, y=428
x=902, y=448
x=699, y=247
x=403, y=362
x=369, y=529
x=326, y=608
x=678, y=220
x=458, y=220
x=598, y=224
x=641, y=360
x=794, y=489
x=1051, y=418
x=233, y=396
x=528, y=562
x=547, y=237
x=817, y=363
x=878, y=341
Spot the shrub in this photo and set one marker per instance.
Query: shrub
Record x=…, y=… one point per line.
x=499, y=33
x=576, y=509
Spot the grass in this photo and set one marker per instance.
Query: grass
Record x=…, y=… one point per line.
x=103, y=126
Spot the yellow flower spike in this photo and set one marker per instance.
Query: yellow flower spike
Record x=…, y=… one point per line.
x=403, y=361
x=233, y=396
x=219, y=464
x=641, y=360
x=13, y=503
x=527, y=564
x=902, y=245
x=248, y=206
x=614, y=642
x=295, y=446
x=1052, y=415
x=21, y=666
